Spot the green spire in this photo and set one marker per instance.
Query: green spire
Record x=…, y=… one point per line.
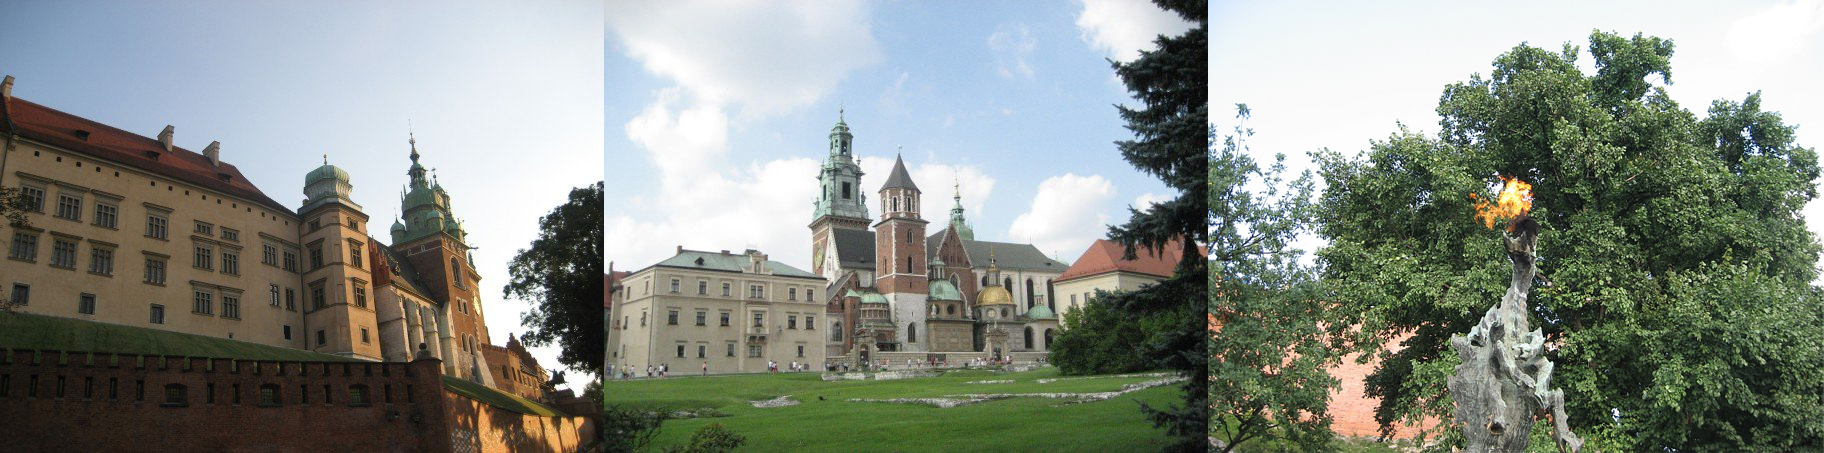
x=956, y=215
x=840, y=178
x=425, y=204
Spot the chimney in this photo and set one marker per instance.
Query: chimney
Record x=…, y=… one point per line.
x=164, y=137
x=214, y=153
x=6, y=88
x=680, y=250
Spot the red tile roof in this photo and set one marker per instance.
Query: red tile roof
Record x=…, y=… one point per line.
x=48, y=125
x=1105, y=256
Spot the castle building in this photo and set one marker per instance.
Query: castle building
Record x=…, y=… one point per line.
x=131, y=230
x=1102, y=268
x=733, y=312
x=895, y=287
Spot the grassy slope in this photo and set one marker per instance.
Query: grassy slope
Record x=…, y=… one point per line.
x=29, y=331
x=835, y=424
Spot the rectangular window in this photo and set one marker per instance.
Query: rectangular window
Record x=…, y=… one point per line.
x=702, y=287
x=291, y=300
x=202, y=303
x=364, y=335
x=808, y=296
x=321, y=339
x=702, y=318
x=204, y=228
x=204, y=258
x=753, y=350
x=288, y=332
x=291, y=260
x=22, y=294
x=672, y=319
x=354, y=254
x=63, y=253
x=25, y=247
x=155, y=270
x=231, y=263
x=101, y=261
x=702, y=351
x=680, y=351
x=674, y=286
x=107, y=215
x=801, y=350
x=69, y=207
x=810, y=322
x=230, y=234
x=725, y=319
x=86, y=304
x=756, y=291
x=791, y=321
x=316, y=296
x=231, y=306
x=759, y=317
x=360, y=294
x=791, y=294
x=316, y=256
x=33, y=197
x=158, y=314
x=724, y=290
x=731, y=349
x=269, y=255
x=158, y=225
x=274, y=289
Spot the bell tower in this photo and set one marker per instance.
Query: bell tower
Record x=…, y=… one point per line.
x=432, y=239
x=338, y=295
x=899, y=256
x=840, y=203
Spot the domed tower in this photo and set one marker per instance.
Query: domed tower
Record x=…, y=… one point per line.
x=994, y=313
x=338, y=303
x=947, y=316
x=840, y=204
x=956, y=215
x=433, y=241
x=899, y=255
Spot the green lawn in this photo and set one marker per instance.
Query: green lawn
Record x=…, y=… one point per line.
x=836, y=424
x=30, y=331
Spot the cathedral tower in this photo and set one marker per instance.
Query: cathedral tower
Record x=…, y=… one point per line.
x=899, y=248
x=432, y=239
x=956, y=216
x=338, y=302
x=840, y=204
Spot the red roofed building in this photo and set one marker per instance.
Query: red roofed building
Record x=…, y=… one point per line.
x=1101, y=268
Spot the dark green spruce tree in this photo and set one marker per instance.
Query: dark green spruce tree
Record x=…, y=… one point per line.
x=1681, y=313
x=561, y=274
x=1171, y=82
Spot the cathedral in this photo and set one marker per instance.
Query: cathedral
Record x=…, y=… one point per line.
x=898, y=289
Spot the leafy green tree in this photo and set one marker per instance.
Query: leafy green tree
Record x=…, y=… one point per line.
x=1102, y=340
x=1268, y=379
x=628, y=428
x=1171, y=83
x=1679, y=263
x=561, y=273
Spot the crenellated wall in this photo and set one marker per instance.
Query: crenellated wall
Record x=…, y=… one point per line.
x=75, y=401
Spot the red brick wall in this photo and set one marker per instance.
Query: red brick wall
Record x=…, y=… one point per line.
x=1352, y=409
x=480, y=427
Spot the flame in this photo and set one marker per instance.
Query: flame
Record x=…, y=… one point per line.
x=1516, y=198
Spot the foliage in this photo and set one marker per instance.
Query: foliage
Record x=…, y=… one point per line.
x=1170, y=81
x=1102, y=340
x=627, y=429
x=561, y=273
x=1678, y=258
x=12, y=206
x=711, y=438
x=1268, y=377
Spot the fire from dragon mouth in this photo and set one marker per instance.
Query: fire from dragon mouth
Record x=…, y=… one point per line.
x=1515, y=199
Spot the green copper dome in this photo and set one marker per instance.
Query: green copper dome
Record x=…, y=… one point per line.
x=1041, y=312
x=326, y=171
x=943, y=290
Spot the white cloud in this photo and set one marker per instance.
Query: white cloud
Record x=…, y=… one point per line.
x=1011, y=46
x=1775, y=34
x=1058, y=219
x=679, y=143
x=763, y=206
x=1122, y=28
x=764, y=56
x=893, y=99
x=1146, y=200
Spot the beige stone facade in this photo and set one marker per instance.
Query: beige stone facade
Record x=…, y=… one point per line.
x=1074, y=293
x=732, y=311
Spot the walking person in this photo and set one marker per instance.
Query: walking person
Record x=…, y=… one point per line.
x=706, y=368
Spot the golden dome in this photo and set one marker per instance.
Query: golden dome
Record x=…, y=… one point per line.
x=993, y=295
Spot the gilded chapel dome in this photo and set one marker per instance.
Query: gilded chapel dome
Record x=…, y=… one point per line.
x=993, y=295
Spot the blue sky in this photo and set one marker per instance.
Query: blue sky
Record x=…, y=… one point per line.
x=717, y=116
x=503, y=97
x=1339, y=74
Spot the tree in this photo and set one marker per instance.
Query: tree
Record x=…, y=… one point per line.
x=1099, y=339
x=630, y=429
x=1268, y=379
x=561, y=273
x=1171, y=82
x=1679, y=263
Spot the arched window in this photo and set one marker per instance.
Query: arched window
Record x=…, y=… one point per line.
x=456, y=269
x=911, y=333
x=950, y=309
x=1051, y=302
x=1029, y=298
x=1029, y=338
x=836, y=331
x=984, y=281
x=1048, y=333
x=1007, y=282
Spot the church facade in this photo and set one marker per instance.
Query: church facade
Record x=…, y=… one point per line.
x=897, y=286
x=133, y=230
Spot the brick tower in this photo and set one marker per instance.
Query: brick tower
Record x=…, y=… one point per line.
x=899, y=257
x=433, y=240
x=338, y=302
